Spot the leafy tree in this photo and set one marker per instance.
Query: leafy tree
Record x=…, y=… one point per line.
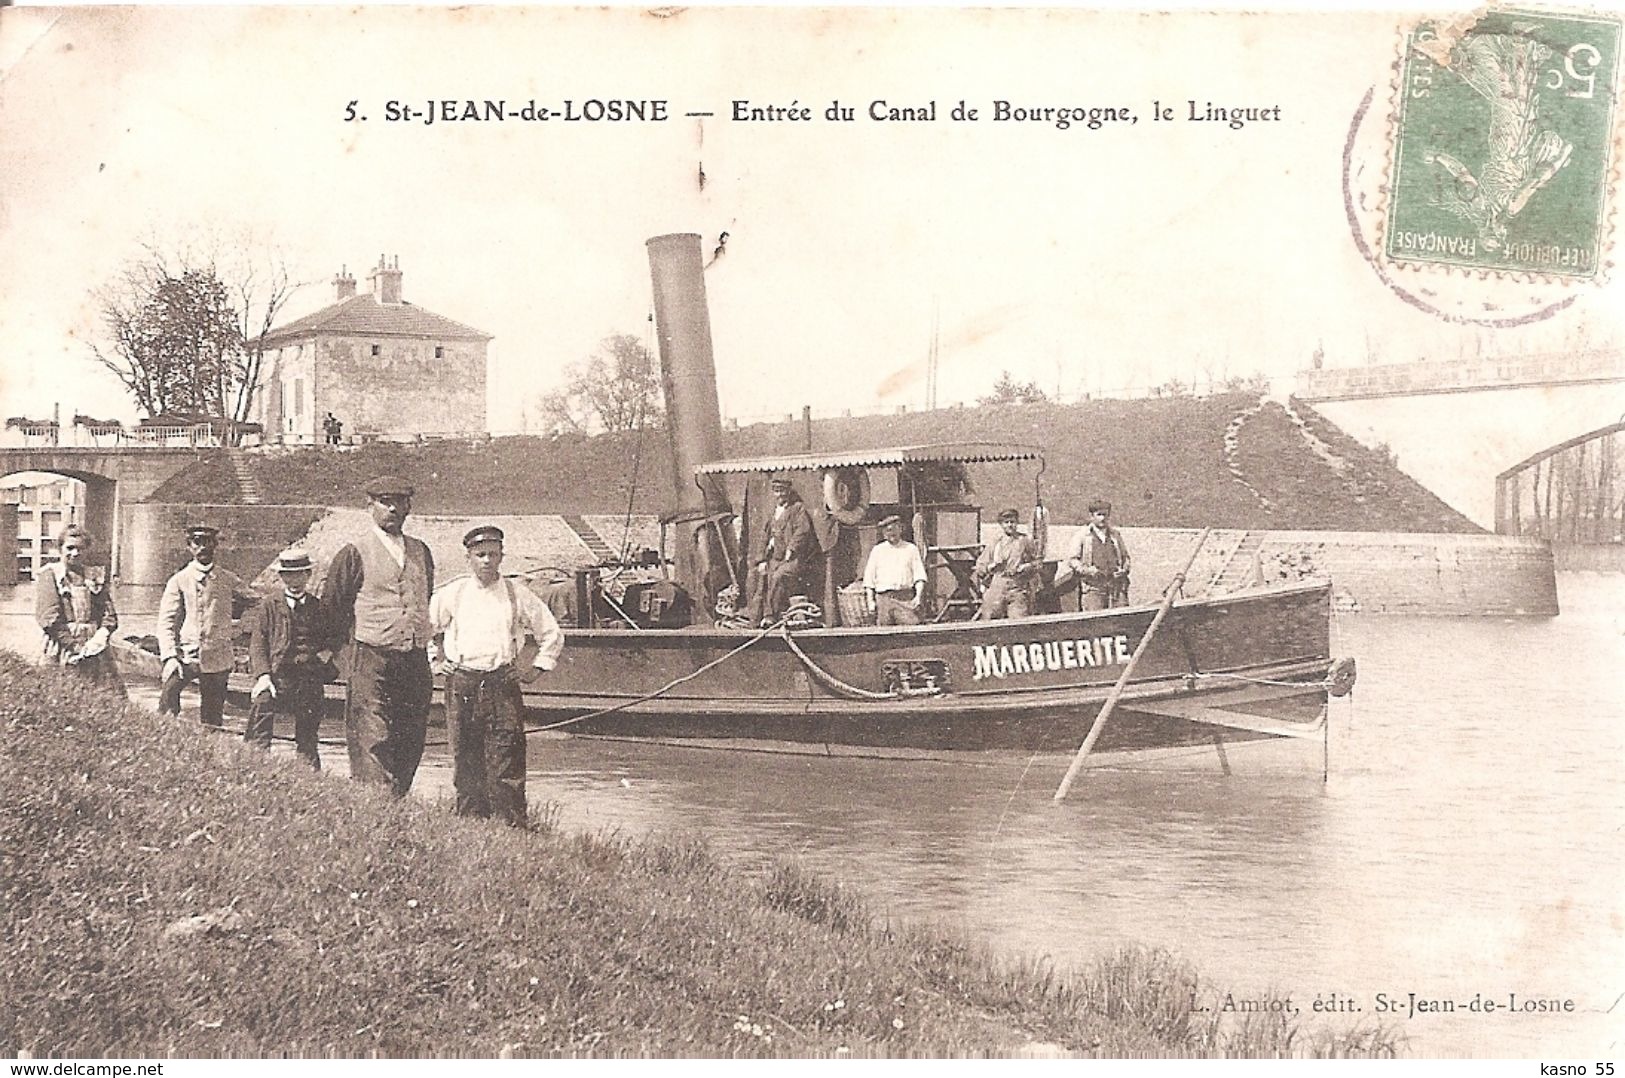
x=1009, y=391
x=185, y=330
x=616, y=388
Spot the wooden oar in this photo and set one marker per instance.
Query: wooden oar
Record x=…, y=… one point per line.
x=1122, y=682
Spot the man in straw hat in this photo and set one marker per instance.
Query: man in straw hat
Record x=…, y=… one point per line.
x=1006, y=570
x=894, y=576
x=290, y=659
x=480, y=624
x=378, y=589
x=195, y=630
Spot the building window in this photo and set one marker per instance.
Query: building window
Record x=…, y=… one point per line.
x=48, y=523
x=25, y=568
x=299, y=398
x=376, y=350
x=439, y=352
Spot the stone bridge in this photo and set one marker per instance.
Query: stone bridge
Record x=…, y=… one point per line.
x=114, y=477
x=1456, y=425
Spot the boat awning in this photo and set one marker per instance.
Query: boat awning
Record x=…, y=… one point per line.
x=882, y=457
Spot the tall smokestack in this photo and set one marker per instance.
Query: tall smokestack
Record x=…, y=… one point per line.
x=688, y=375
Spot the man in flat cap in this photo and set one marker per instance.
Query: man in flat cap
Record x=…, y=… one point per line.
x=290, y=659
x=791, y=545
x=481, y=623
x=894, y=576
x=194, y=627
x=1099, y=558
x=1006, y=570
x=378, y=590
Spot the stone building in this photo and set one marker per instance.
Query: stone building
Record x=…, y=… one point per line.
x=381, y=366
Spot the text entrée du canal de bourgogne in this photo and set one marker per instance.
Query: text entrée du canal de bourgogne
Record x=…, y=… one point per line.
x=429, y=112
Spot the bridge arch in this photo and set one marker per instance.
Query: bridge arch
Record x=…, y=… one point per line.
x=113, y=477
x=98, y=515
x=1570, y=493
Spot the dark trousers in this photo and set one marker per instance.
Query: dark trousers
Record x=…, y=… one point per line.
x=386, y=715
x=486, y=726
x=211, y=689
x=300, y=698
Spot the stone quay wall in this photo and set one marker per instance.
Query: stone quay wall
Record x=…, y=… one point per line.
x=1371, y=572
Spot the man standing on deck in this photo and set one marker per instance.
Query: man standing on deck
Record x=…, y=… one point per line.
x=894, y=576
x=1006, y=570
x=1099, y=557
x=790, y=546
x=480, y=624
x=195, y=630
x=378, y=592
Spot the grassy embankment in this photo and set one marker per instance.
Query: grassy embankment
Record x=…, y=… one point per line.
x=329, y=919
x=1160, y=461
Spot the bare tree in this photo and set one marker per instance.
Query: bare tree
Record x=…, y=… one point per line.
x=616, y=388
x=186, y=326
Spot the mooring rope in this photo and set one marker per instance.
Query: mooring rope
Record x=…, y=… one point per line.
x=672, y=684
x=833, y=682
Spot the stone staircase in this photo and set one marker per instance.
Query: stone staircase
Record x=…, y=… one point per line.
x=1238, y=570
x=247, y=488
x=590, y=539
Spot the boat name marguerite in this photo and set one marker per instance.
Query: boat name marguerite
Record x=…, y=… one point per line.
x=1000, y=660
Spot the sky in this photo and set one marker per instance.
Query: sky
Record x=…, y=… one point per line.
x=1087, y=261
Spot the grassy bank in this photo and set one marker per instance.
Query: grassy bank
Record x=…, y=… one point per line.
x=1161, y=461
x=168, y=893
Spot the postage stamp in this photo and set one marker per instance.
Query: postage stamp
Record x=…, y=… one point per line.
x=1504, y=142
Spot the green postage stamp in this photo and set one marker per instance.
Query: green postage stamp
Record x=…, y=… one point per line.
x=1503, y=153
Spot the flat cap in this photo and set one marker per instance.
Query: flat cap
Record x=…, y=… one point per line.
x=201, y=531
x=1009, y=514
x=892, y=519
x=1099, y=505
x=780, y=483
x=293, y=560
x=388, y=484
x=485, y=533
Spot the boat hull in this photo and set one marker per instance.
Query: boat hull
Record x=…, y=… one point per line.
x=1239, y=667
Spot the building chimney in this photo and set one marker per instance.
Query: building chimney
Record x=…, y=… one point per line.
x=343, y=284
x=385, y=281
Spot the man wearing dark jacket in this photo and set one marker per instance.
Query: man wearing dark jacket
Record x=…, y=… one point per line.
x=289, y=658
x=791, y=545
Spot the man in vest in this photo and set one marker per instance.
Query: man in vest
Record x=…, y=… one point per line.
x=1099, y=558
x=195, y=629
x=1007, y=570
x=480, y=624
x=378, y=592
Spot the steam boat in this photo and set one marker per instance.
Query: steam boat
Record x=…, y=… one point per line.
x=651, y=655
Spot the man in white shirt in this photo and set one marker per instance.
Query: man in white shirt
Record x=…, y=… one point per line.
x=480, y=623
x=894, y=577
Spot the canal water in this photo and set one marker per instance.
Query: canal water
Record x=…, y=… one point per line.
x=1466, y=847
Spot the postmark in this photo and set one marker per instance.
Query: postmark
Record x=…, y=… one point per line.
x=1503, y=144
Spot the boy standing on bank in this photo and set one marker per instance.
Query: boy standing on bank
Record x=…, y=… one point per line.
x=480, y=624
x=290, y=659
